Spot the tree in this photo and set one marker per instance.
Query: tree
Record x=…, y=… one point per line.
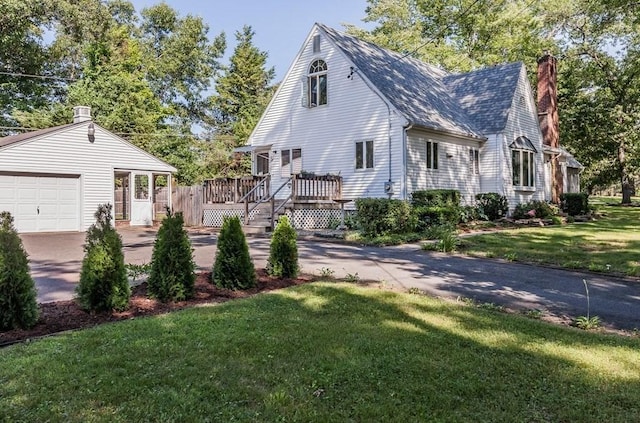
x=103, y=279
x=233, y=268
x=243, y=90
x=18, y=306
x=172, y=276
x=283, y=251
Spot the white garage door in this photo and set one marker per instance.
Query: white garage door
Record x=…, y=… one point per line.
x=41, y=203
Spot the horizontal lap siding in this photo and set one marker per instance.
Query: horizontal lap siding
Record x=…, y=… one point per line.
x=523, y=120
x=327, y=134
x=454, y=170
x=70, y=152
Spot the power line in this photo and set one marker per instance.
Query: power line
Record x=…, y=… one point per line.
x=27, y=75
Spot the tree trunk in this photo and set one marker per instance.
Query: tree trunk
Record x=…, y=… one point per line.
x=625, y=178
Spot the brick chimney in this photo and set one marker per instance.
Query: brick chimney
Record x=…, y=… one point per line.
x=548, y=117
x=81, y=114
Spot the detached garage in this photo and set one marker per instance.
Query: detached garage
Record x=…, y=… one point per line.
x=53, y=179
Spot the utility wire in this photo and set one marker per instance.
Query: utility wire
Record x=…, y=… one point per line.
x=26, y=75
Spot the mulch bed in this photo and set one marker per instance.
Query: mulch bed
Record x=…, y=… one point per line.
x=62, y=316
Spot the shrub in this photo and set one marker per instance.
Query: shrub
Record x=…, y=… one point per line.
x=18, y=304
x=575, y=204
x=233, y=268
x=436, y=197
x=382, y=216
x=283, y=251
x=535, y=208
x=172, y=276
x=492, y=205
x=103, y=278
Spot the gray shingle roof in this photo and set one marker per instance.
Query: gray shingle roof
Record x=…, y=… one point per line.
x=473, y=104
x=486, y=95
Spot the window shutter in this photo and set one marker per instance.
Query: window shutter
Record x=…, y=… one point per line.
x=305, y=92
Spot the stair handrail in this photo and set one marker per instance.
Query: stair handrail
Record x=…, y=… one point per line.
x=258, y=185
x=245, y=198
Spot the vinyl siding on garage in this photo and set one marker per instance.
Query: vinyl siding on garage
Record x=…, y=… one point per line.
x=69, y=152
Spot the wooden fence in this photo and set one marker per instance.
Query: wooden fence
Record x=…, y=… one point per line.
x=188, y=200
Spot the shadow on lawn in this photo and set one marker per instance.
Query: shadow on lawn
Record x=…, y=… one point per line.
x=326, y=352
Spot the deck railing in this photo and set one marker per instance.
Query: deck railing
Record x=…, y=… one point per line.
x=316, y=187
x=232, y=190
x=304, y=187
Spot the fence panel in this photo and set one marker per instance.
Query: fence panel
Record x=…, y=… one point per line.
x=188, y=200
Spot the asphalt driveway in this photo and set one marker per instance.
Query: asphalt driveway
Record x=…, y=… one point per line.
x=56, y=260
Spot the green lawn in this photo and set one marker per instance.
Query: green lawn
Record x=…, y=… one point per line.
x=325, y=352
x=610, y=244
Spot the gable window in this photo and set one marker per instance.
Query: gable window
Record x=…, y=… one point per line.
x=316, y=85
x=432, y=155
x=523, y=164
x=316, y=43
x=364, y=155
x=474, y=161
x=290, y=161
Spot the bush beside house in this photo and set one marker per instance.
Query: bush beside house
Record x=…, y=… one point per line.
x=233, y=268
x=103, y=279
x=18, y=304
x=172, y=276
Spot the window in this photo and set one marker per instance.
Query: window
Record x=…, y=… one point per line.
x=523, y=164
x=141, y=187
x=432, y=155
x=474, y=161
x=364, y=155
x=290, y=162
x=316, y=43
x=262, y=163
x=315, y=90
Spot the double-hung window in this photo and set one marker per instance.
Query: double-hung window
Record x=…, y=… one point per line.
x=523, y=163
x=364, y=155
x=474, y=161
x=315, y=89
x=432, y=155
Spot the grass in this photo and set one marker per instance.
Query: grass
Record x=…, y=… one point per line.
x=324, y=352
x=610, y=244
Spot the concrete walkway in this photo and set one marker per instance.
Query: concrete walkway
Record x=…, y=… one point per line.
x=56, y=261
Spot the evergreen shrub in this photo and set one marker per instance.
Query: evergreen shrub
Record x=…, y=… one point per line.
x=492, y=205
x=172, y=276
x=535, y=208
x=436, y=207
x=575, y=204
x=383, y=216
x=233, y=268
x=283, y=251
x=103, y=279
x=18, y=303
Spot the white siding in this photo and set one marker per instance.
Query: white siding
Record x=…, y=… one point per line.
x=327, y=134
x=522, y=121
x=454, y=168
x=69, y=152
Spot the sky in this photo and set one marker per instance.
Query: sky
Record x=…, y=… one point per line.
x=280, y=26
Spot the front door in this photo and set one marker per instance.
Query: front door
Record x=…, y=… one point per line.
x=141, y=204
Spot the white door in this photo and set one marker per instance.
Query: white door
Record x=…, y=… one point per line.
x=142, y=203
x=41, y=203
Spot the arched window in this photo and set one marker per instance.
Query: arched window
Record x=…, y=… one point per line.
x=523, y=163
x=316, y=84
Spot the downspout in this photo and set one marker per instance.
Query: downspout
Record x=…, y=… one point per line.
x=405, y=131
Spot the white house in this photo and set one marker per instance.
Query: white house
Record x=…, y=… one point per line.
x=391, y=125
x=54, y=179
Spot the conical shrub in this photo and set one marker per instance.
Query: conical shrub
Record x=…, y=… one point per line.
x=172, y=276
x=283, y=251
x=18, y=304
x=103, y=279
x=233, y=268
